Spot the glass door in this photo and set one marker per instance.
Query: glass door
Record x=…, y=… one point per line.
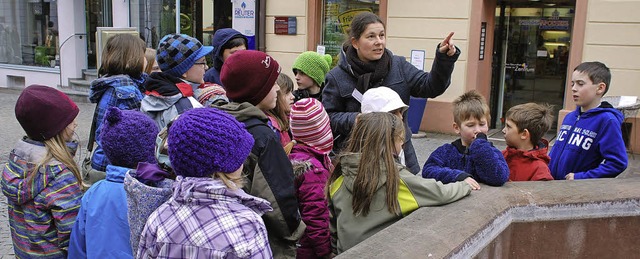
x=535, y=48
x=98, y=14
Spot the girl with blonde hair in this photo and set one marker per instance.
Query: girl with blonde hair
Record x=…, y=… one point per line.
x=369, y=189
x=41, y=179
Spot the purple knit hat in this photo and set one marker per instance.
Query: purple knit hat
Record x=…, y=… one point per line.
x=310, y=125
x=204, y=141
x=128, y=137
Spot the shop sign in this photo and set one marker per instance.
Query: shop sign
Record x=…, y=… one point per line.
x=346, y=17
x=554, y=24
x=523, y=67
x=244, y=19
x=285, y=25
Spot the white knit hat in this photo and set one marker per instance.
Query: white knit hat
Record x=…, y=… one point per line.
x=381, y=99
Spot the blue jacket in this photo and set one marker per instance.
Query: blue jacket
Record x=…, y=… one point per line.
x=120, y=91
x=403, y=78
x=101, y=229
x=455, y=162
x=221, y=37
x=589, y=144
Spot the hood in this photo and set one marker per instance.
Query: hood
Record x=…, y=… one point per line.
x=203, y=191
x=300, y=167
x=18, y=184
x=348, y=167
x=241, y=111
x=304, y=157
x=100, y=85
x=221, y=37
x=538, y=153
x=151, y=196
x=605, y=107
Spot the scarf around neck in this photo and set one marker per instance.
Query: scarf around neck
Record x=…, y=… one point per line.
x=370, y=74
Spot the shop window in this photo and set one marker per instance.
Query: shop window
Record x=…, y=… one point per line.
x=336, y=17
x=29, y=33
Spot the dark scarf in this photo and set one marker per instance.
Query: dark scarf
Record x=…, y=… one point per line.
x=371, y=74
x=162, y=84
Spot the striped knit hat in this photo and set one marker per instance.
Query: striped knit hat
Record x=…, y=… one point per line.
x=178, y=52
x=310, y=125
x=208, y=93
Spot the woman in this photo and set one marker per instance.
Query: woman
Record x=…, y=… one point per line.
x=366, y=63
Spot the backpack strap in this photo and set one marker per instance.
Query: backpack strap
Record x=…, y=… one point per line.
x=92, y=132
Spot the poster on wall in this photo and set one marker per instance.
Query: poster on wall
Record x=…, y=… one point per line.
x=244, y=20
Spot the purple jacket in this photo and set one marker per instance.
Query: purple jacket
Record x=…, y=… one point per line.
x=205, y=219
x=312, y=170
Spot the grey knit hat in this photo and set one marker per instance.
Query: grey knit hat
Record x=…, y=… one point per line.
x=178, y=52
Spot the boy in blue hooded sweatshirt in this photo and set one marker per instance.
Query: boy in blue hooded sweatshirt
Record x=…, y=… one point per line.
x=225, y=42
x=589, y=143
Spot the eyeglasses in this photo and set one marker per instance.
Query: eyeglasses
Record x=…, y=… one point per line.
x=204, y=64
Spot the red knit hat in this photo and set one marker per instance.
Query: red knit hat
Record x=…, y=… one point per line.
x=44, y=112
x=249, y=75
x=310, y=125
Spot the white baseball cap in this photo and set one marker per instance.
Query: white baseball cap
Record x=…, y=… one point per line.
x=381, y=99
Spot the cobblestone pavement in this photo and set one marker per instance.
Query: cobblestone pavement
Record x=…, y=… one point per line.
x=12, y=132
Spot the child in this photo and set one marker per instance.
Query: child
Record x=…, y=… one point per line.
x=384, y=99
x=279, y=116
x=225, y=42
x=120, y=85
x=471, y=158
x=311, y=166
x=249, y=77
x=310, y=68
x=171, y=92
x=41, y=179
x=128, y=138
x=365, y=188
x=151, y=65
x=526, y=152
x=209, y=215
x=589, y=143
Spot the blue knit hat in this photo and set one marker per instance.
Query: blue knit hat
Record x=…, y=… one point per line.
x=204, y=141
x=178, y=52
x=128, y=137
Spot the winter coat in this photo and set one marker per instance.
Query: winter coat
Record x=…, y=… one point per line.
x=347, y=229
x=312, y=170
x=221, y=37
x=98, y=234
x=41, y=206
x=120, y=91
x=205, y=219
x=142, y=200
x=528, y=165
x=589, y=144
x=270, y=177
x=403, y=78
x=283, y=136
x=455, y=162
x=166, y=98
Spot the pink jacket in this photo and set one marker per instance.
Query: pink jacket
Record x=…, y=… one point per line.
x=312, y=169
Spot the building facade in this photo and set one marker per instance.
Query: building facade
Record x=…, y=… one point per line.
x=513, y=51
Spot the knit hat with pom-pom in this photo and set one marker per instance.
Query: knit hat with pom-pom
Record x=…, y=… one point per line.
x=207, y=140
x=314, y=65
x=128, y=137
